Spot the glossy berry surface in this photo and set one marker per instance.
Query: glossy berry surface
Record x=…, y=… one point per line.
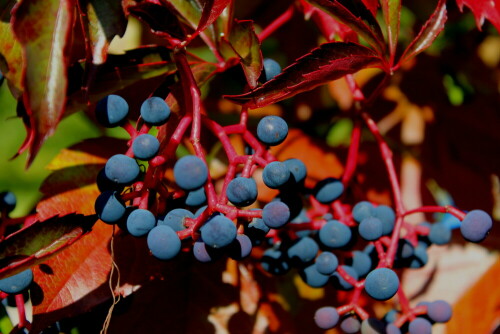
x=326, y=263
x=145, y=146
x=271, y=68
x=275, y=214
x=334, y=234
x=275, y=174
x=111, y=111
x=272, y=130
x=121, y=169
x=382, y=284
x=155, y=111
x=218, y=232
x=242, y=191
x=190, y=172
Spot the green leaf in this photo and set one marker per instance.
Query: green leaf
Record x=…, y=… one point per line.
x=11, y=57
x=35, y=243
x=392, y=11
x=44, y=29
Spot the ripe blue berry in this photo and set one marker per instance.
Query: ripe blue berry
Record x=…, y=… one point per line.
x=326, y=317
x=140, y=222
x=272, y=130
x=326, y=263
x=362, y=210
x=271, y=68
x=370, y=228
x=382, y=284
x=240, y=248
x=392, y=329
x=387, y=217
x=176, y=218
x=190, y=172
x=439, y=234
x=108, y=208
x=145, y=146
x=155, y=111
x=312, y=277
x=439, y=311
x=196, y=197
x=420, y=326
x=361, y=263
x=350, y=324
x=334, y=234
x=304, y=250
x=121, y=169
x=17, y=283
x=218, y=232
x=275, y=214
x=297, y=169
x=273, y=261
x=163, y=242
x=340, y=283
x=372, y=326
x=111, y=111
x=242, y=191
x=7, y=201
x=476, y=226
x=275, y=174
x=328, y=190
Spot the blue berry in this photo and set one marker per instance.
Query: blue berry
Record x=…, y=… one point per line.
x=420, y=326
x=392, y=329
x=476, y=226
x=340, y=283
x=350, y=325
x=196, y=197
x=326, y=317
x=272, y=130
x=420, y=256
x=111, y=111
x=140, y=222
x=121, y=169
x=17, y=283
x=242, y=191
x=7, y=201
x=297, y=169
x=155, y=111
x=362, y=210
x=257, y=230
x=103, y=183
x=439, y=311
x=372, y=326
x=382, y=284
x=328, y=190
x=391, y=316
x=312, y=277
x=370, y=228
x=241, y=247
x=361, y=262
x=275, y=174
x=190, y=172
x=218, y=231
x=274, y=262
x=163, y=242
x=304, y=250
x=439, y=234
x=275, y=214
x=108, y=208
x=271, y=68
x=334, y=234
x=387, y=217
x=145, y=146
x=326, y=263
x=175, y=219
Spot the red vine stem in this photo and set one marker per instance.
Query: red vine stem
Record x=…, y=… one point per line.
x=277, y=23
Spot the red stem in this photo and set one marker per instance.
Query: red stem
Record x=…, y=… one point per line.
x=277, y=23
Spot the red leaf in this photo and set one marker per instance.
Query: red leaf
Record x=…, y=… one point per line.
x=372, y=5
x=483, y=9
x=44, y=28
x=428, y=33
x=328, y=62
x=211, y=11
x=356, y=16
x=392, y=12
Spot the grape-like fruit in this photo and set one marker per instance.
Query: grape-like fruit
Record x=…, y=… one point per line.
x=372, y=326
x=190, y=172
x=275, y=214
x=328, y=190
x=326, y=263
x=439, y=234
x=370, y=228
x=476, y=226
x=304, y=250
x=219, y=231
x=204, y=253
x=196, y=197
x=326, y=317
x=241, y=247
x=312, y=277
x=272, y=130
x=350, y=324
x=155, y=111
x=103, y=183
x=121, y=169
x=271, y=68
x=392, y=329
x=382, y=284
x=140, y=222
x=360, y=262
x=17, y=283
x=111, y=111
x=163, y=242
x=387, y=217
x=297, y=170
x=275, y=174
x=439, y=311
x=420, y=326
x=334, y=234
x=274, y=262
x=7, y=201
x=108, y=208
x=145, y=146
x=420, y=256
x=362, y=210
x=242, y=191
x=340, y=283
x=175, y=219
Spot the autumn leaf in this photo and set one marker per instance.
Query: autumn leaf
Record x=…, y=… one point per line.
x=483, y=9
